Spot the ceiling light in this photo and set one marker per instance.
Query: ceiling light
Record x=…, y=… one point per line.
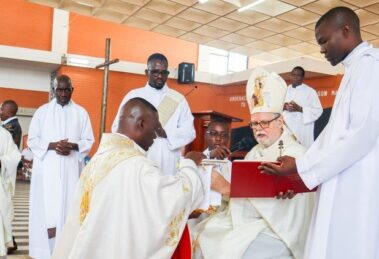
x=257, y=2
x=203, y=1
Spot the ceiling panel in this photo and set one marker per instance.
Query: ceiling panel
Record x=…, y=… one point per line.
x=272, y=7
x=167, y=30
x=211, y=31
x=256, y=33
x=216, y=7
x=166, y=7
x=322, y=6
x=299, y=16
x=196, y=15
x=262, y=45
x=276, y=25
x=272, y=30
x=237, y=39
x=249, y=16
x=301, y=33
x=228, y=24
x=182, y=24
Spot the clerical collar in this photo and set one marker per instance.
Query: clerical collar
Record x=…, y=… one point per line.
x=355, y=53
x=157, y=91
x=66, y=105
x=8, y=120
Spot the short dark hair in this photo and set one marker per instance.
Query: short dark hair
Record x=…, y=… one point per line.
x=341, y=15
x=64, y=79
x=13, y=104
x=157, y=56
x=145, y=103
x=218, y=120
x=300, y=69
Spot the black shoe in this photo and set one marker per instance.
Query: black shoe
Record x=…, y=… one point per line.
x=14, y=248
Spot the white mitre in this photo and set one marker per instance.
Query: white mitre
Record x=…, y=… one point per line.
x=265, y=92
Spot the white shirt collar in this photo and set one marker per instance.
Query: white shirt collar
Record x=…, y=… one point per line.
x=153, y=90
x=8, y=120
x=355, y=53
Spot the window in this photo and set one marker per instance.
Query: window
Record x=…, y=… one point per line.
x=220, y=62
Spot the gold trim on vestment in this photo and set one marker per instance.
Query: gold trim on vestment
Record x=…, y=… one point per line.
x=113, y=150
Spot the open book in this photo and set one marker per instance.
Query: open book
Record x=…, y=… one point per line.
x=248, y=182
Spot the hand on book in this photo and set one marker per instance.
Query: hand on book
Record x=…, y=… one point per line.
x=287, y=166
x=285, y=195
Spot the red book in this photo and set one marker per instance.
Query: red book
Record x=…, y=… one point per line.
x=248, y=182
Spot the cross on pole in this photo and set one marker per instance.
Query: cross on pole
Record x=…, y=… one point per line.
x=106, y=65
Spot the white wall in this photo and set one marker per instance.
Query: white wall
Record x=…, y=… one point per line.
x=24, y=76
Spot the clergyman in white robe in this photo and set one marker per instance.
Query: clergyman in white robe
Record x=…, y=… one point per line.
x=125, y=207
x=178, y=126
x=54, y=177
x=244, y=229
x=344, y=162
x=302, y=123
x=9, y=159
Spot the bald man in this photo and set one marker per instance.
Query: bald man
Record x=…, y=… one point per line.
x=9, y=121
x=343, y=161
x=124, y=206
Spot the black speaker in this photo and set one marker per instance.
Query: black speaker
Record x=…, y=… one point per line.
x=186, y=73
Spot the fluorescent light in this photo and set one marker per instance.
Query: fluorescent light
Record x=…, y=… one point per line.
x=203, y=1
x=257, y=2
x=80, y=62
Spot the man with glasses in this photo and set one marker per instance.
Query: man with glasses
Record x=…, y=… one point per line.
x=302, y=108
x=261, y=227
x=60, y=136
x=174, y=115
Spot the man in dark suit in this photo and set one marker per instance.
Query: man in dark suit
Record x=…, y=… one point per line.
x=9, y=120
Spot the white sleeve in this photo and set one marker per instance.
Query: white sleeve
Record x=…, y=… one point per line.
x=36, y=143
x=86, y=138
x=356, y=139
x=313, y=109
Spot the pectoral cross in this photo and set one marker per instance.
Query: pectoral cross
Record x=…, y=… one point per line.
x=280, y=147
x=106, y=65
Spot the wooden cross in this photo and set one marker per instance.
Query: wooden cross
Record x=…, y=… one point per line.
x=106, y=65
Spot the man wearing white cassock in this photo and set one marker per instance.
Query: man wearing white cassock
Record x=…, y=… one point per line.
x=9, y=159
x=343, y=161
x=302, y=108
x=60, y=136
x=261, y=228
x=125, y=206
x=174, y=114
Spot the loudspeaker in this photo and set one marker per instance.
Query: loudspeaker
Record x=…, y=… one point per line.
x=186, y=73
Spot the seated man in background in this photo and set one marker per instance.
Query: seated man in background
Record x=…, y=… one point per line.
x=125, y=207
x=261, y=227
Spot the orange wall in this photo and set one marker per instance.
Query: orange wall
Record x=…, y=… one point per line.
x=24, y=98
x=25, y=24
x=225, y=99
x=87, y=37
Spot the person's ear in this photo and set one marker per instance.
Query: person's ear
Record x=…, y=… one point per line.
x=345, y=31
x=72, y=91
x=146, y=72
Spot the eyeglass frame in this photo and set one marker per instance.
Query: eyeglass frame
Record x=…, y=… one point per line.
x=215, y=134
x=157, y=72
x=260, y=123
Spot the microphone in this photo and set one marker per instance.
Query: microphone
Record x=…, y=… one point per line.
x=244, y=143
x=193, y=89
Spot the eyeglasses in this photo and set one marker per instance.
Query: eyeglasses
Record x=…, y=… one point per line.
x=66, y=90
x=215, y=134
x=262, y=124
x=157, y=72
